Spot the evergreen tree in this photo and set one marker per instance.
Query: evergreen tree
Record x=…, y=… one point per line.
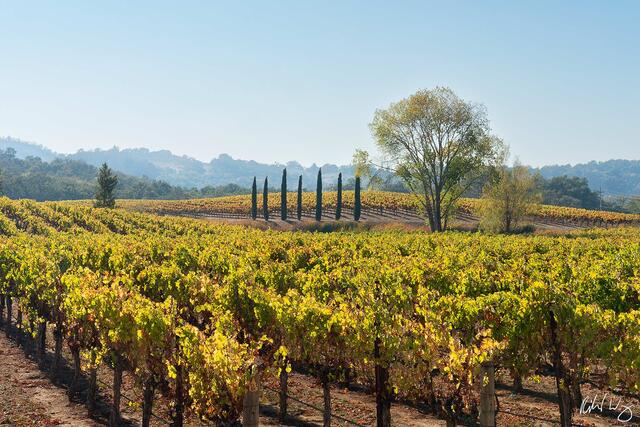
x=283, y=196
x=339, y=201
x=357, y=204
x=254, y=199
x=107, y=182
x=265, y=199
x=299, y=204
x=319, y=196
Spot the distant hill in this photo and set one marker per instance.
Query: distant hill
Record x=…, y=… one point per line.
x=186, y=171
x=25, y=149
x=189, y=172
x=614, y=177
x=67, y=179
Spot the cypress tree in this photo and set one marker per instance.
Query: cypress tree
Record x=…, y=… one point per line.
x=339, y=201
x=265, y=199
x=299, y=198
x=283, y=196
x=107, y=182
x=319, y=196
x=357, y=206
x=254, y=199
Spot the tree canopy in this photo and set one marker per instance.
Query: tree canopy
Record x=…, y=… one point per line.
x=439, y=145
x=107, y=181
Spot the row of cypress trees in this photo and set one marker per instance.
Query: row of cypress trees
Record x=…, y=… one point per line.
x=357, y=209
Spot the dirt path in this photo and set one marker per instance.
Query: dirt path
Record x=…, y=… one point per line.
x=27, y=396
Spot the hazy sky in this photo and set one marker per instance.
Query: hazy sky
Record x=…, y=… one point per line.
x=278, y=81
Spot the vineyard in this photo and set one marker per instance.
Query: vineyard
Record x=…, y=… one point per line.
x=203, y=315
x=377, y=204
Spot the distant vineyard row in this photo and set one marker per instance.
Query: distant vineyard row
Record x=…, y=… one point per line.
x=208, y=311
x=241, y=205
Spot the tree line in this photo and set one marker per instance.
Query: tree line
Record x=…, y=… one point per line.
x=284, y=210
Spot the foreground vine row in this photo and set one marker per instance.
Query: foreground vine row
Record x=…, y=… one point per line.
x=204, y=313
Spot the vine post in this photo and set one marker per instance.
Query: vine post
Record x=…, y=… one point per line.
x=147, y=400
x=42, y=341
x=487, y=395
x=93, y=386
x=383, y=390
x=284, y=389
x=114, y=418
x=251, y=401
x=564, y=395
x=73, y=387
x=58, y=336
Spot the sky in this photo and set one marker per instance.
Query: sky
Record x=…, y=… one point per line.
x=300, y=80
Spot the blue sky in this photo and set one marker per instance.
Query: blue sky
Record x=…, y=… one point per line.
x=300, y=80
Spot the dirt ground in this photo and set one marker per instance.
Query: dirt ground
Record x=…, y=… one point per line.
x=27, y=395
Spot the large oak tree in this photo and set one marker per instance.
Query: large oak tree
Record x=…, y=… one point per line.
x=439, y=145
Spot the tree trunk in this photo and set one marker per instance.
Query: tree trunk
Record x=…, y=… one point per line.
x=57, y=333
x=576, y=391
x=487, y=395
x=517, y=383
x=93, y=386
x=284, y=378
x=73, y=387
x=114, y=419
x=383, y=390
x=437, y=210
x=564, y=397
x=2, y=299
x=326, y=394
x=147, y=402
x=430, y=215
x=32, y=342
x=9, y=314
x=19, y=327
x=576, y=377
x=347, y=377
x=42, y=341
x=178, y=407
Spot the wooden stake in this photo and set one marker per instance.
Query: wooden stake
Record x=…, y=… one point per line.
x=487, y=395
